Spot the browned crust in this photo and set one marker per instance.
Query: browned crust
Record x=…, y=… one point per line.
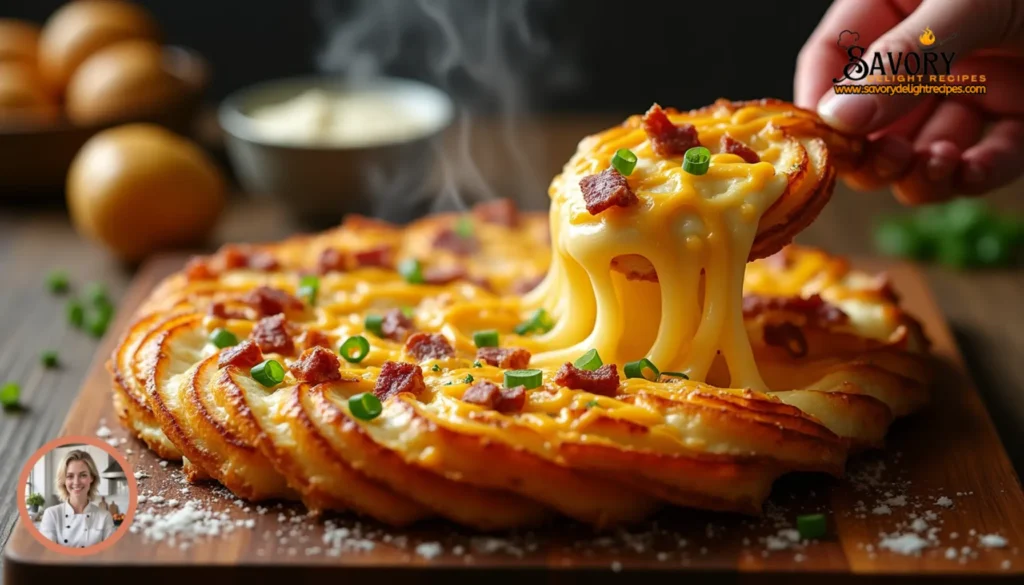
x=394, y=510
x=585, y=497
x=506, y=509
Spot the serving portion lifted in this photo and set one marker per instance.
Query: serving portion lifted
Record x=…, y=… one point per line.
x=498, y=368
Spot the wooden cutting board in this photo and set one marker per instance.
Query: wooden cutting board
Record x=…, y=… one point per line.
x=949, y=450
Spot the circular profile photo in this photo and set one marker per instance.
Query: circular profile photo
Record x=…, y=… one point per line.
x=78, y=495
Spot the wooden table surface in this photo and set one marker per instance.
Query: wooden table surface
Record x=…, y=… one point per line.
x=984, y=309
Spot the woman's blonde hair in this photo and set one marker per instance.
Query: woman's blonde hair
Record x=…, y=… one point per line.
x=84, y=457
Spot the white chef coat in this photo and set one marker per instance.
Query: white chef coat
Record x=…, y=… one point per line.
x=61, y=525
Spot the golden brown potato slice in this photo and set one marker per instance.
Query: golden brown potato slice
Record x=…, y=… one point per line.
x=185, y=390
x=288, y=439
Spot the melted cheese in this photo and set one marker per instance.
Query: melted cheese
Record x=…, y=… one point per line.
x=696, y=231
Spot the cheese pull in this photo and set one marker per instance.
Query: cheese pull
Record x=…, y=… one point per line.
x=691, y=229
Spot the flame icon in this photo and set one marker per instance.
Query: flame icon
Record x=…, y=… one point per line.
x=927, y=37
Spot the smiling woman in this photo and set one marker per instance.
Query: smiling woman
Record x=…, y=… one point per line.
x=77, y=522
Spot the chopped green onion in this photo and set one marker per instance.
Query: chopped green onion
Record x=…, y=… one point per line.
x=696, y=160
x=268, y=372
x=591, y=404
x=811, y=526
x=10, y=394
x=486, y=338
x=58, y=282
x=589, y=361
x=539, y=321
x=309, y=288
x=468, y=379
x=411, y=270
x=676, y=375
x=636, y=369
x=624, y=161
x=357, y=344
x=96, y=322
x=374, y=324
x=464, y=227
x=477, y=364
x=97, y=294
x=435, y=368
x=528, y=378
x=365, y=406
x=76, y=313
x=223, y=338
x=408, y=311
x=50, y=359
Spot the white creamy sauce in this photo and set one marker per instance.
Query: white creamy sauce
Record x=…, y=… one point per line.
x=336, y=118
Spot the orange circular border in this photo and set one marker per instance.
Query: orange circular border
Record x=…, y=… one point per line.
x=133, y=495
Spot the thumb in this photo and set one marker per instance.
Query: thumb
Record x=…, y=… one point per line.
x=960, y=26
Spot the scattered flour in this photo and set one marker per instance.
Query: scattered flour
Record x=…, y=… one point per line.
x=429, y=550
x=992, y=541
x=904, y=544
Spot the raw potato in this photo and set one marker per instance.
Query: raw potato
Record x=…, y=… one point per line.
x=139, y=188
x=79, y=29
x=24, y=98
x=19, y=41
x=123, y=80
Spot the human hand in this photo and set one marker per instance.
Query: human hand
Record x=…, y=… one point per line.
x=930, y=148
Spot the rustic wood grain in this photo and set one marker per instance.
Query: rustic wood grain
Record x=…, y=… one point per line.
x=950, y=448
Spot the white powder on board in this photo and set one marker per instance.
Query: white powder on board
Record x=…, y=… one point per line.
x=904, y=544
x=992, y=541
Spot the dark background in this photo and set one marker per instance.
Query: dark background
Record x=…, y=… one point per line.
x=571, y=55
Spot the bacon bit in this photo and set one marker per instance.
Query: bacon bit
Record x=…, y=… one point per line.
x=271, y=334
x=198, y=268
x=667, y=139
x=396, y=325
x=816, y=311
x=449, y=239
x=606, y=189
x=381, y=256
x=500, y=211
x=233, y=258
x=398, y=377
x=603, y=380
x=443, y=274
x=244, y=355
x=312, y=338
x=512, y=399
x=221, y=310
x=490, y=395
x=331, y=260
x=509, y=358
x=317, y=365
x=429, y=346
x=787, y=336
x=525, y=285
x=733, y=146
x=271, y=301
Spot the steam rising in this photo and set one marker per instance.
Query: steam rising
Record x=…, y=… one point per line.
x=481, y=53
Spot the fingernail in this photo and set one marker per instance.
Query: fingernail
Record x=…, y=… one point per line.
x=851, y=113
x=892, y=157
x=974, y=173
x=937, y=169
